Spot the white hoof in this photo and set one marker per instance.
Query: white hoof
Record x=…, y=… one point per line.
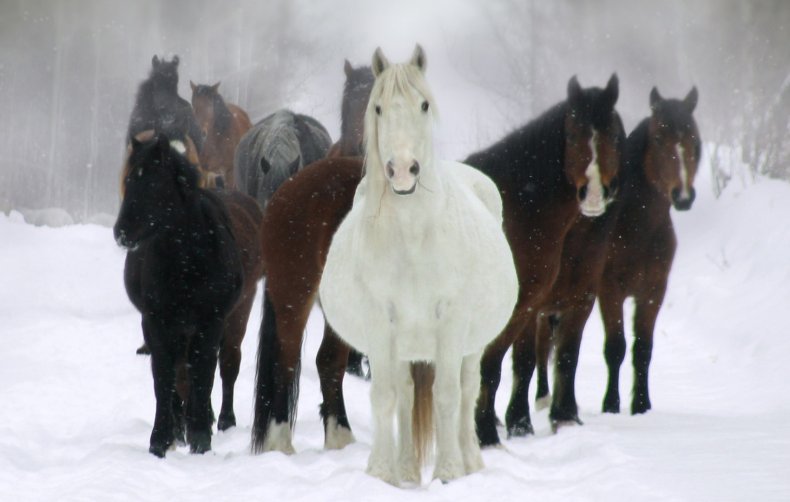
x=278, y=438
x=337, y=436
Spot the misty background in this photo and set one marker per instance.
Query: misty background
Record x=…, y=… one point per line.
x=69, y=71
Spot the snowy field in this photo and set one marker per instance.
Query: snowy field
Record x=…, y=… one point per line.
x=78, y=404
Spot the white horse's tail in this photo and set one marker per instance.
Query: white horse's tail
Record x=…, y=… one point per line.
x=423, y=374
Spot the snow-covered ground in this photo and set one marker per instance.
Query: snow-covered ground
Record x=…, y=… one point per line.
x=77, y=404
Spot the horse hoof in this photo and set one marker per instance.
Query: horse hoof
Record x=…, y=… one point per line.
x=543, y=402
x=158, y=450
x=200, y=442
x=522, y=428
x=640, y=408
x=556, y=425
x=143, y=350
x=611, y=405
x=226, y=422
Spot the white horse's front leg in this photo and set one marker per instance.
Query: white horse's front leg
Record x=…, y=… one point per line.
x=470, y=388
x=447, y=404
x=383, y=397
x=408, y=466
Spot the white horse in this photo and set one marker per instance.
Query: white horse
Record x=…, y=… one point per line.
x=420, y=277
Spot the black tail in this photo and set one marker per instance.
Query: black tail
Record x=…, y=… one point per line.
x=267, y=380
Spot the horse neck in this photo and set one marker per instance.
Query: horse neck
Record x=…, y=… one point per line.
x=641, y=200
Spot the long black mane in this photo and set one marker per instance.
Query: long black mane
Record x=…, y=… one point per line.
x=159, y=107
x=530, y=159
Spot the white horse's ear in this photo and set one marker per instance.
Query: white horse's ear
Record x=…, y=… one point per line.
x=418, y=58
x=380, y=62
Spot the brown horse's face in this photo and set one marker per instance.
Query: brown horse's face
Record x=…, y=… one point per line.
x=593, y=138
x=673, y=148
x=203, y=106
x=356, y=94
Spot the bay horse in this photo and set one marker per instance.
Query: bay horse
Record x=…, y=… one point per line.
x=274, y=149
x=221, y=125
x=159, y=107
x=550, y=171
x=422, y=234
x=356, y=93
x=192, y=264
x=661, y=161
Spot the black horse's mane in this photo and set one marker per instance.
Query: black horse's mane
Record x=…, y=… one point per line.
x=530, y=158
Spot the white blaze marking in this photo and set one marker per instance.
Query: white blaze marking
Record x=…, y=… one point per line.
x=684, y=174
x=178, y=146
x=593, y=204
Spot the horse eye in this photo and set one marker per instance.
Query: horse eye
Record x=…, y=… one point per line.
x=425, y=106
x=378, y=110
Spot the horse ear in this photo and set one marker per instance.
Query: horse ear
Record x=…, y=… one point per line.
x=691, y=99
x=347, y=68
x=215, y=87
x=155, y=61
x=574, y=89
x=613, y=89
x=193, y=86
x=176, y=60
x=655, y=98
x=265, y=166
x=418, y=58
x=380, y=62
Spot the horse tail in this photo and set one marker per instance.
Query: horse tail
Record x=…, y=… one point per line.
x=268, y=350
x=423, y=374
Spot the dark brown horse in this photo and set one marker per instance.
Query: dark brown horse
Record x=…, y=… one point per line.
x=356, y=93
x=662, y=156
x=222, y=125
x=247, y=222
x=627, y=252
x=548, y=172
x=299, y=222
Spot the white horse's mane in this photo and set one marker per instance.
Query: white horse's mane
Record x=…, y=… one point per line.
x=400, y=79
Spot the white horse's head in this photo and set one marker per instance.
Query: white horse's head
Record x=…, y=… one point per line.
x=399, y=123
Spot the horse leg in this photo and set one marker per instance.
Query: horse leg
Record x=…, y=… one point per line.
x=383, y=398
x=490, y=375
x=331, y=362
x=470, y=387
x=447, y=406
x=614, y=348
x=180, y=398
x=230, y=357
x=570, y=328
x=355, y=365
x=408, y=464
x=202, y=360
x=645, y=314
x=543, y=344
x=517, y=417
x=278, y=367
x=163, y=370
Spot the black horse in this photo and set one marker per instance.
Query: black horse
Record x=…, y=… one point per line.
x=184, y=274
x=159, y=107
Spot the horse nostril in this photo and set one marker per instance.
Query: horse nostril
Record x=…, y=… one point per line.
x=415, y=168
x=583, y=192
x=605, y=192
x=675, y=194
x=390, y=170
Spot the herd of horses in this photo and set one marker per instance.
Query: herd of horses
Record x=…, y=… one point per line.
x=433, y=269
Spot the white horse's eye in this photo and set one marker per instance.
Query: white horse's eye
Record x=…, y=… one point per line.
x=378, y=110
x=425, y=106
